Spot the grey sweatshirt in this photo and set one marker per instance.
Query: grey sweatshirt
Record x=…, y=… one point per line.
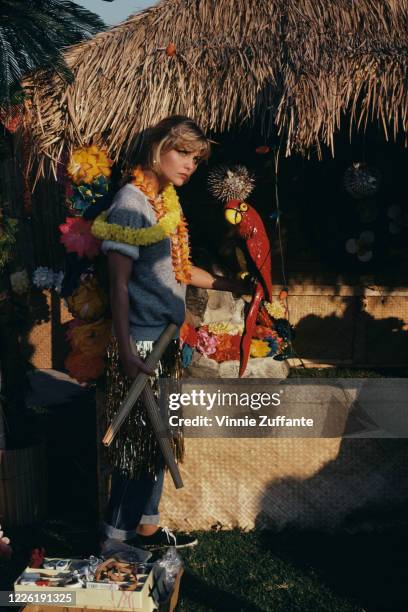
x=156, y=298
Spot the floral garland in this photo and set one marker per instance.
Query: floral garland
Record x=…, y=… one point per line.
x=88, y=171
x=145, y=235
x=171, y=223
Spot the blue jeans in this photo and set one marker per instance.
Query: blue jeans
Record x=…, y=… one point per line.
x=132, y=503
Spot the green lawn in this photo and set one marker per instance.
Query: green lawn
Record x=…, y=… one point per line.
x=232, y=570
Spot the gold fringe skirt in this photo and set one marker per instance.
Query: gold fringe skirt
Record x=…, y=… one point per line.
x=135, y=451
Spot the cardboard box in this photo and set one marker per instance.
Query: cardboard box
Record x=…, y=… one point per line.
x=93, y=598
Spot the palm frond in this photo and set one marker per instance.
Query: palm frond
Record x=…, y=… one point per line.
x=33, y=33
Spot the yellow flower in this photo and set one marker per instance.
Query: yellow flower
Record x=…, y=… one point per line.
x=92, y=338
x=225, y=328
x=88, y=302
x=275, y=310
x=259, y=348
x=87, y=164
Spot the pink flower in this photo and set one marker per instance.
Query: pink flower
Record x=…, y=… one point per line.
x=206, y=344
x=77, y=237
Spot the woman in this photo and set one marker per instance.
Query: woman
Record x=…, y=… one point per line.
x=148, y=274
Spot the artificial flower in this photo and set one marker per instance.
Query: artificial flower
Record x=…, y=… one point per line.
x=228, y=348
x=92, y=338
x=283, y=329
x=275, y=309
x=71, y=326
x=145, y=235
x=146, y=183
x=361, y=246
x=87, y=164
x=170, y=49
x=206, y=344
x=84, y=196
x=262, y=332
x=43, y=277
x=259, y=348
x=84, y=369
x=88, y=301
x=186, y=355
x=77, y=237
x=225, y=328
x=20, y=282
x=188, y=335
x=274, y=346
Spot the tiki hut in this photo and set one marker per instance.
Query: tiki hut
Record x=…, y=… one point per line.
x=297, y=72
x=294, y=69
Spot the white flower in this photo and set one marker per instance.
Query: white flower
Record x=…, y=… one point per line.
x=20, y=282
x=43, y=277
x=58, y=278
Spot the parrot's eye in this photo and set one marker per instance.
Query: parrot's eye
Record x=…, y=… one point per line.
x=243, y=207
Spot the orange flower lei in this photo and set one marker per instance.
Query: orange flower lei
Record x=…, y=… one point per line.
x=180, y=248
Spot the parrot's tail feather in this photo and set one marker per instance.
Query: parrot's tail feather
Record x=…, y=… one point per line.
x=250, y=322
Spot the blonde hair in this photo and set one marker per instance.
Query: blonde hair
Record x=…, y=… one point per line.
x=175, y=132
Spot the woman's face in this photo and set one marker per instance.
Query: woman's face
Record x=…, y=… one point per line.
x=177, y=165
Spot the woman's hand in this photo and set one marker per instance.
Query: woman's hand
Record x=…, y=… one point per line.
x=205, y=280
x=242, y=286
x=132, y=365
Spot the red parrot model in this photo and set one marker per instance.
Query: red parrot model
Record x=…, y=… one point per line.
x=250, y=228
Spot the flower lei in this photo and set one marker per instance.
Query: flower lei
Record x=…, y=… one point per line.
x=171, y=223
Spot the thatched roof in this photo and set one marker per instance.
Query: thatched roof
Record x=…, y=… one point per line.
x=292, y=66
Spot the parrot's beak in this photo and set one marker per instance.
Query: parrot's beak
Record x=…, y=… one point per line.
x=233, y=216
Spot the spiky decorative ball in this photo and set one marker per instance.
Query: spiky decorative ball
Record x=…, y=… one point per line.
x=361, y=180
x=230, y=183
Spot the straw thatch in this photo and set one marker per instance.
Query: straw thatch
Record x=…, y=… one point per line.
x=292, y=66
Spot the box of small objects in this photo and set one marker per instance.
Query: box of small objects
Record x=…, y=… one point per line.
x=114, y=583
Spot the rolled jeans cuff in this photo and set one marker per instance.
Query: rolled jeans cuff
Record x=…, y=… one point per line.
x=123, y=534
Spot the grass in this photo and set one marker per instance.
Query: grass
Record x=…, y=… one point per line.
x=232, y=570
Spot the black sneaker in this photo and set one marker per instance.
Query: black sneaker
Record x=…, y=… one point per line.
x=164, y=538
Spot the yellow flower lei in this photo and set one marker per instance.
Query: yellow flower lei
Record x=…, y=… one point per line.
x=145, y=235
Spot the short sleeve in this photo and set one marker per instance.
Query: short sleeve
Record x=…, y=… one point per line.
x=120, y=247
x=129, y=209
